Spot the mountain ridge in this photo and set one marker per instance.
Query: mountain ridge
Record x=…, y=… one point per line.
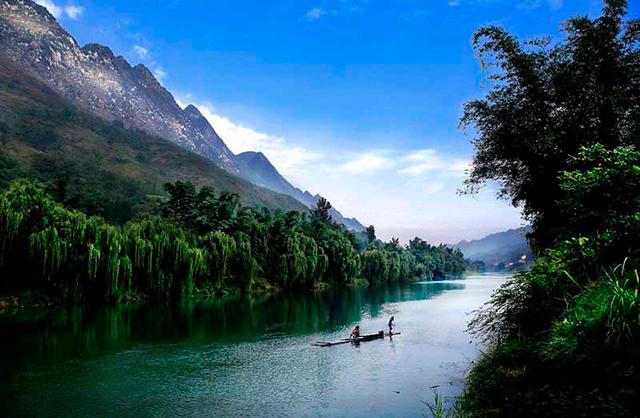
x=104, y=84
x=94, y=164
x=100, y=82
x=500, y=247
x=266, y=175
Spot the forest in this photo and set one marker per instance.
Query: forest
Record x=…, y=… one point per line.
x=559, y=131
x=195, y=242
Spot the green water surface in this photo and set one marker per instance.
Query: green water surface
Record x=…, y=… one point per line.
x=243, y=356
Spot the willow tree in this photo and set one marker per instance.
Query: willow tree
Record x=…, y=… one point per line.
x=72, y=256
x=246, y=270
x=375, y=266
x=222, y=249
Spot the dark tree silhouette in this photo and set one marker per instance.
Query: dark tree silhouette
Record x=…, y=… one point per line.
x=371, y=233
x=321, y=212
x=548, y=100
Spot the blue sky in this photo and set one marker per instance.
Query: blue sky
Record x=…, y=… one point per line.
x=355, y=99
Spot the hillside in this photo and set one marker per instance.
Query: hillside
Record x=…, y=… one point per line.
x=98, y=82
x=100, y=167
x=502, y=247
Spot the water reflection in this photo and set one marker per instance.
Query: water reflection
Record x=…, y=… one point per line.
x=32, y=338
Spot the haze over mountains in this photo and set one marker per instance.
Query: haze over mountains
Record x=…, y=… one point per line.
x=95, y=80
x=499, y=248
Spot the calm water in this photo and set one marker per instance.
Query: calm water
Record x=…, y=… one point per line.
x=242, y=356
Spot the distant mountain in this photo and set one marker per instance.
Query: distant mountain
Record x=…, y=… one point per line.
x=263, y=173
x=95, y=80
x=502, y=247
x=260, y=171
x=351, y=223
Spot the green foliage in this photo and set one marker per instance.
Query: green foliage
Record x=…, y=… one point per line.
x=546, y=102
x=371, y=233
x=320, y=214
x=604, y=319
x=40, y=137
x=476, y=266
x=496, y=377
x=437, y=261
x=436, y=408
x=602, y=199
x=559, y=130
x=342, y=253
x=206, y=242
x=390, y=262
x=375, y=266
x=72, y=256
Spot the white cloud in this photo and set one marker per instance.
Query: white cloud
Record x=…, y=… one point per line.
x=416, y=163
x=159, y=73
x=141, y=51
x=335, y=8
x=454, y=3
x=144, y=55
x=315, y=14
x=72, y=11
x=403, y=193
x=459, y=166
x=369, y=163
x=290, y=160
x=429, y=160
x=422, y=161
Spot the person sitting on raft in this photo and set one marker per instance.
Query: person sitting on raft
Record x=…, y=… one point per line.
x=355, y=333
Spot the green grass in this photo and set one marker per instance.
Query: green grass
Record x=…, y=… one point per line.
x=583, y=363
x=436, y=408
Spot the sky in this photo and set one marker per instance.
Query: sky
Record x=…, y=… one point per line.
x=358, y=100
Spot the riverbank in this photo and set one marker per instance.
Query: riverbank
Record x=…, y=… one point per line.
x=560, y=343
x=513, y=379
x=35, y=300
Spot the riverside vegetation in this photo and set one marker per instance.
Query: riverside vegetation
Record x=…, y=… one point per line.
x=198, y=242
x=559, y=130
x=94, y=222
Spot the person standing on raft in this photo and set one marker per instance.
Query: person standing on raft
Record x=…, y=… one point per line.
x=391, y=325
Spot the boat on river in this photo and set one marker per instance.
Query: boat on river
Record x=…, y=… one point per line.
x=363, y=338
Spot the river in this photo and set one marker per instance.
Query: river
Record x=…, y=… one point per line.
x=243, y=356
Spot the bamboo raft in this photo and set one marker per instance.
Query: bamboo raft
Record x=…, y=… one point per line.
x=368, y=337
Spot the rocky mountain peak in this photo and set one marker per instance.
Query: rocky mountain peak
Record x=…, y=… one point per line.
x=145, y=76
x=98, y=51
x=193, y=112
x=260, y=156
x=256, y=157
x=35, y=8
x=99, y=82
